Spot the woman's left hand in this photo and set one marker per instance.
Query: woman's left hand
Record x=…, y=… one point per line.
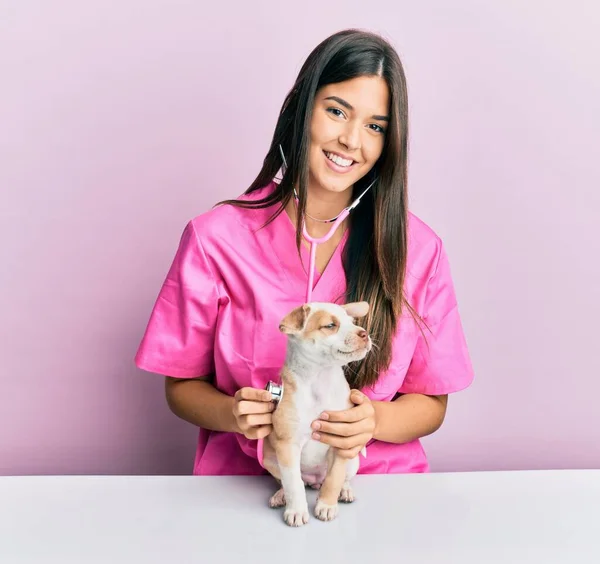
x=349, y=430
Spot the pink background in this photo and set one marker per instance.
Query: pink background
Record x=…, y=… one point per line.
x=122, y=120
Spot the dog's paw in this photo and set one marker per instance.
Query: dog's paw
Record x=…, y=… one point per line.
x=278, y=499
x=346, y=495
x=326, y=512
x=296, y=517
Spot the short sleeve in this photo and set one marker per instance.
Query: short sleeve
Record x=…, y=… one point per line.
x=178, y=340
x=441, y=363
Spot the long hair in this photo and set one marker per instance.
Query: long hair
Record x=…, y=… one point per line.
x=374, y=257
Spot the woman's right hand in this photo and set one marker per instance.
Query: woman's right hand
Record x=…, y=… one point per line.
x=253, y=412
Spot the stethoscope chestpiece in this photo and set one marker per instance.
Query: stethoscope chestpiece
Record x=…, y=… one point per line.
x=276, y=391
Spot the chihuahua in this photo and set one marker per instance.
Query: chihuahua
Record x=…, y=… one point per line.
x=321, y=339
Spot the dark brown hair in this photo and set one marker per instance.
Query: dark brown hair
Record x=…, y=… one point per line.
x=375, y=254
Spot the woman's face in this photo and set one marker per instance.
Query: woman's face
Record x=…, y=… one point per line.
x=347, y=131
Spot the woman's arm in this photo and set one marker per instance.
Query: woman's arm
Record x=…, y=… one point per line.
x=409, y=417
x=197, y=401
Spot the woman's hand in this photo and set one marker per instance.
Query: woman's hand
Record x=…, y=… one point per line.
x=349, y=430
x=253, y=412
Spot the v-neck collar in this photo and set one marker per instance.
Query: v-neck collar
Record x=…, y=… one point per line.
x=328, y=285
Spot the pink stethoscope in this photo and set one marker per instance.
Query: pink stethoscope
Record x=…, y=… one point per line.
x=314, y=241
x=275, y=389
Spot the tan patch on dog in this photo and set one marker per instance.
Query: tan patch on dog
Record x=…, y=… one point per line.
x=270, y=459
x=289, y=382
x=285, y=420
x=334, y=481
x=322, y=322
x=294, y=321
x=285, y=455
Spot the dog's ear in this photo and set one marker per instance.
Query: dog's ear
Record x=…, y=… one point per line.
x=357, y=309
x=295, y=321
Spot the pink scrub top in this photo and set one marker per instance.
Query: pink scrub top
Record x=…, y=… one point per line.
x=231, y=283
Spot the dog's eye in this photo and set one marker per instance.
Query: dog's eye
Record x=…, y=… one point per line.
x=330, y=326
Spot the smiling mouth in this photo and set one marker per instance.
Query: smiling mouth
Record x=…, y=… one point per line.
x=339, y=161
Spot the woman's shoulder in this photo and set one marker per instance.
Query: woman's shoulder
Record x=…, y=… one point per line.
x=425, y=247
x=227, y=221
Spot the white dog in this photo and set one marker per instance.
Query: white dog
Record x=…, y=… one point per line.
x=322, y=338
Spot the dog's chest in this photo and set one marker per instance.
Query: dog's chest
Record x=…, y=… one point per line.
x=318, y=395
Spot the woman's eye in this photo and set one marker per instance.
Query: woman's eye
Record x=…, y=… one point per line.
x=378, y=129
x=336, y=112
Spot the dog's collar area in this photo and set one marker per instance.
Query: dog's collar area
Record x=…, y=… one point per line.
x=276, y=391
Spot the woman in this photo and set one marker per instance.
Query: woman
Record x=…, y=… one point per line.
x=242, y=266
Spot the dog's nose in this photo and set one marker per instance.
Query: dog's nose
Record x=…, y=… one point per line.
x=362, y=334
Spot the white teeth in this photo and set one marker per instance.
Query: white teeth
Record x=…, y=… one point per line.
x=338, y=160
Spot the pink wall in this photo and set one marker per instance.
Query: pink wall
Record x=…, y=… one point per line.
x=121, y=123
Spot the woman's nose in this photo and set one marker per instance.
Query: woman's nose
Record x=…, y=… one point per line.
x=350, y=138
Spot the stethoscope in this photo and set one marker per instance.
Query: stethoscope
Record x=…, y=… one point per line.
x=276, y=390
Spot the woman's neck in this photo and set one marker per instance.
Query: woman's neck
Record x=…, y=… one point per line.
x=321, y=204
x=325, y=204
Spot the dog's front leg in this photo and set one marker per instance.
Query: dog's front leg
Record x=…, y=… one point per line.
x=327, y=503
x=296, y=505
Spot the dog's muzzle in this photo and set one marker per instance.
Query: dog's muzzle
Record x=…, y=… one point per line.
x=276, y=391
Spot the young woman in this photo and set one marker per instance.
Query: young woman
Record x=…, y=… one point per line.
x=243, y=265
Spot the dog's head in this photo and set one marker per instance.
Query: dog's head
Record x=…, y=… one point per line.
x=327, y=333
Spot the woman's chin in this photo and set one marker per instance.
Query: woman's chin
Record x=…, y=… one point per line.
x=332, y=184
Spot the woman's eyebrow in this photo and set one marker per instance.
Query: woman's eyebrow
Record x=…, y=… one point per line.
x=349, y=106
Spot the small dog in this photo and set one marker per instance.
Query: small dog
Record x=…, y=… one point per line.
x=322, y=338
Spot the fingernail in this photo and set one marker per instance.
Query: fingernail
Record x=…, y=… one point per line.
x=324, y=416
x=316, y=436
x=316, y=425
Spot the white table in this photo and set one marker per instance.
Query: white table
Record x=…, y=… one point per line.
x=480, y=518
